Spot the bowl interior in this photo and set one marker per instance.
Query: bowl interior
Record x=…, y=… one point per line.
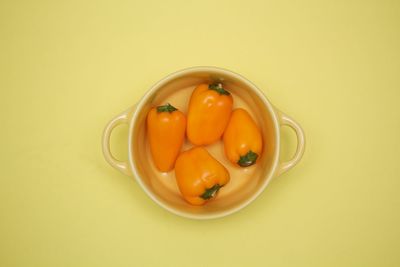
x=245, y=183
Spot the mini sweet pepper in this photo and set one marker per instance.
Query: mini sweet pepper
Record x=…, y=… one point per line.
x=166, y=133
x=210, y=107
x=242, y=139
x=199, y=176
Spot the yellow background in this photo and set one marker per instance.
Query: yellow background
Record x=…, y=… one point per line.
x=67, y=67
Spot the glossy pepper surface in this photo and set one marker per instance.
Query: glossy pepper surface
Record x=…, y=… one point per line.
x=209, y=111
x=242, y=139
x=199, y=176
x=166, y=133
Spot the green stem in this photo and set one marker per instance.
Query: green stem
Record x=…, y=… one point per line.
x=247, y=160
x=211, y=192
x=166, y=108
x=218, y=87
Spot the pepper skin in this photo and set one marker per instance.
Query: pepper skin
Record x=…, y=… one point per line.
x=210, y=108
x=199, y=176
x=166, y=133
x=242, y=139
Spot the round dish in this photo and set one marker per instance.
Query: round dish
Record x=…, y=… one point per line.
x=246, y=183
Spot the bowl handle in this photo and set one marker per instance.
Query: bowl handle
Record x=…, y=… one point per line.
x=285, y=120
x=117, y=164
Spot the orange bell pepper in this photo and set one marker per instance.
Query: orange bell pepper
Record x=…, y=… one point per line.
x=199, y=176
x=166, y=133
x=242, y=139
x=210, y=107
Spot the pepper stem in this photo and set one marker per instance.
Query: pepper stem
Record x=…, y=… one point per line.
x=166, y=108
x=247, y=160
x=211, y=192
x=218, y=87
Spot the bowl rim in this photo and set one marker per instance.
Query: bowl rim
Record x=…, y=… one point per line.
x=178, y=74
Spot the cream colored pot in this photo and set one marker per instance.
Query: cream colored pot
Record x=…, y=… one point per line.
x=246, y=183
